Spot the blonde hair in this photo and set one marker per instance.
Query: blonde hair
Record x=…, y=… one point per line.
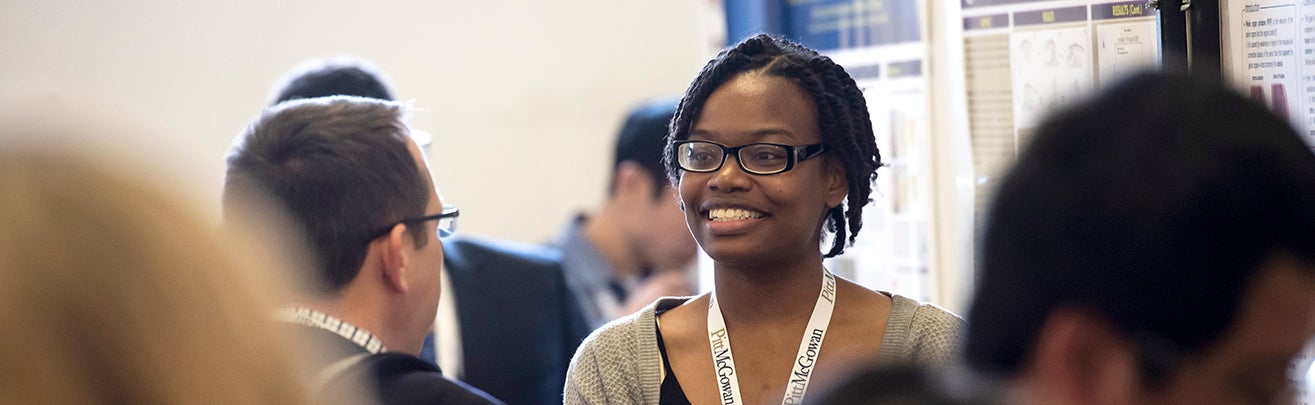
x=113, y=292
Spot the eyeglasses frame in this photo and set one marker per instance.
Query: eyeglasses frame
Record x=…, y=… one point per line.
x=448, y=212
x=794, y=155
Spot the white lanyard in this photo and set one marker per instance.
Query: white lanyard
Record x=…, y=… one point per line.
x=317, y=319
x=728, y=384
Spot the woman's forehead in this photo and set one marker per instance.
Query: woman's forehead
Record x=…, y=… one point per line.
x=753, y=106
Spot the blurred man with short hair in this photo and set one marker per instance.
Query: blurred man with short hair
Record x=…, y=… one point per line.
x=636, y=246
x=1153, y=245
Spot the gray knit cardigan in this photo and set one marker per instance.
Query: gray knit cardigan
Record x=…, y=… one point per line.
x=620, y=364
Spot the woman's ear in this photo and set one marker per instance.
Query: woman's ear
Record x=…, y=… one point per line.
x=837, y=184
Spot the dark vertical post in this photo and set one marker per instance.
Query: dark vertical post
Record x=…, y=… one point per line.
x=1173, y=37
x=1204, y=15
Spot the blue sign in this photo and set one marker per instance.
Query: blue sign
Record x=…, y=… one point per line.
x=826, y=24
x=838, y=24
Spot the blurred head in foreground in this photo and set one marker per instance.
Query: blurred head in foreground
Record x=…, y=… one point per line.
x=1155, y=244
x=112, y=291
x=907, y=384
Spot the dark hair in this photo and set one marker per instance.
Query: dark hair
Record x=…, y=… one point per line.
x=340, y=167
x=842, y=116
x=334, y=78
x=1153, y=206
x=642, y=140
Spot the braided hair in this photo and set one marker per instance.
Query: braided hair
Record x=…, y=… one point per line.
x=842, y=117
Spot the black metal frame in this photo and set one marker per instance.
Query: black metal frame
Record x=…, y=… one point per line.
x=1189, y=39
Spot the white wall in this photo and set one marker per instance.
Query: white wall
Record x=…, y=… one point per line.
x=523, y=97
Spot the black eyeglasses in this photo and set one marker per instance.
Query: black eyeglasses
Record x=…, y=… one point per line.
x=754, y=158
x=447, y=222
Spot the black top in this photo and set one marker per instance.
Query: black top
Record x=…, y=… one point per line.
x=670, y=393
x=394, y=378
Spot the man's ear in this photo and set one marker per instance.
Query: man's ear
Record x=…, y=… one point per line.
x=837, y=186
x=1081, y=358
x=395, y=260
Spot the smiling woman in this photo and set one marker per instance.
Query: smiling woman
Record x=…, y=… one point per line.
x=797, y=129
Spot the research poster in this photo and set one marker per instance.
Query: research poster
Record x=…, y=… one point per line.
x=1268, y=52
x=1025, y=58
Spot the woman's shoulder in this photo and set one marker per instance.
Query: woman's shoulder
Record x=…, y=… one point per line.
x=922, y=314
x=619, y=361
x=627, y=338
x=682, y=310
x=627, y=333
x=921, y=331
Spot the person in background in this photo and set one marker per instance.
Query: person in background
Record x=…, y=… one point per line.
x=1152, y=245
x=341, y=76
x=635, y=247
x=113, y=291
x=506, y=323
x=358, y=190
x=771, y=148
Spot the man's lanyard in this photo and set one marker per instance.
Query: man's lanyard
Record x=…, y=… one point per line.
x=317, y=319
x=728, y=384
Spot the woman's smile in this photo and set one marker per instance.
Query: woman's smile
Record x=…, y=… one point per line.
x=732, y=221
x=730, y=217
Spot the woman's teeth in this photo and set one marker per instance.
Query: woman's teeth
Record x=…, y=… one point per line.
x=732, y=214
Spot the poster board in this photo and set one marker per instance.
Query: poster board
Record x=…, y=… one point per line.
x=1268, y=53
x=1025, y=58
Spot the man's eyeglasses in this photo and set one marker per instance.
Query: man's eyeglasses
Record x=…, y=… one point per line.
x=447, y=222
x=754, y=158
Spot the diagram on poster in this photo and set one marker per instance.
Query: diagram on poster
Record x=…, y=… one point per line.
x=1125, y=48
x=1050, y=67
